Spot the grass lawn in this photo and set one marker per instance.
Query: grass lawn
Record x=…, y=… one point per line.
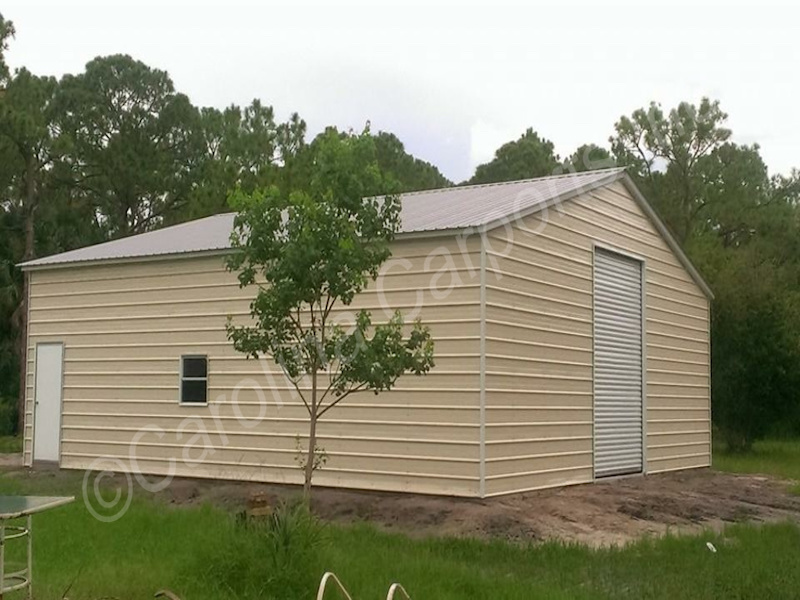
x=204, y=553
x=769, y=457
x=10, y=444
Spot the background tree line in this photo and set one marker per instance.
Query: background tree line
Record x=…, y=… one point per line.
x=116, y=150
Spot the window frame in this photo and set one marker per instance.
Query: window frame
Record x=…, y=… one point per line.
x=182, y=378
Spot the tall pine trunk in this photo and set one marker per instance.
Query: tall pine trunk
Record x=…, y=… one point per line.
x=29, y=210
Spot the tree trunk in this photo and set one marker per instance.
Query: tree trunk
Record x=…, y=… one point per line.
x=30, y=253
x=310, y=458
x=312, y=440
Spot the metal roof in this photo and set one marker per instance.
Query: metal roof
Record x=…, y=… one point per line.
x=444, y=209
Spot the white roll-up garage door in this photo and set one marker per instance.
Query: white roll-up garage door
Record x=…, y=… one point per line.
x=618, y=398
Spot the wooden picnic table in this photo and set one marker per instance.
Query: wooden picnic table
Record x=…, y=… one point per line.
x=18, y=507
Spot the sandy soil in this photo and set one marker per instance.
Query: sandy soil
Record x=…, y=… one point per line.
x=605, y=513
x=611, y=512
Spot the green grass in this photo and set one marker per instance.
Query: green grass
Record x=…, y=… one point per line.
x=10, y=444
x=769, y=457
x=188, y=550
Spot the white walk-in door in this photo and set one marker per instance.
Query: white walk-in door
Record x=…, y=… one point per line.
x=47, y=413
x=618, y=397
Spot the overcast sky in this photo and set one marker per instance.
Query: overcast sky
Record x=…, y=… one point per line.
x=453, y=80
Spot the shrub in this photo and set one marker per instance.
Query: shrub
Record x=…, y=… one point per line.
x=277, y=557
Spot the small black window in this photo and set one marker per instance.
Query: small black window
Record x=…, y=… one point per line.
x=194, y=379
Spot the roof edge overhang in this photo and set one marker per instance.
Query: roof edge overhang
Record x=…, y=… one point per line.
x=27, y=267
x=614, y=175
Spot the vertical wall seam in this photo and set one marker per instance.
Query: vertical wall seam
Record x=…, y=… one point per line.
x=482, y=403
x=643, y=301
x=710, y=414
x=594, y=352
x=30, y=398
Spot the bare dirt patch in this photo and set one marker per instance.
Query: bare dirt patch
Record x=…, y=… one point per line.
x=610, y=512
x=597, y=514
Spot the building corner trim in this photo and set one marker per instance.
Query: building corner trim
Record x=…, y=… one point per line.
x=482, y=401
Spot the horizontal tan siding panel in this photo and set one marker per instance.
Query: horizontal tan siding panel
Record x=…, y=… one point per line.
x=360, y=428
x=270, y=459
x=681, y=365
x=235, y=302
x=539, y=430
x=684, y=424
x=570, y=460
x=676, y=377
x=234, y=364
x=668, y=291
x=449, y=316
x=667, y=451
x=678, y=317
x=74, y=296
x=670, y=402
x=679, y=462
x=525, y=397
x=618, y=198
x=678, y=439
x=511, y=449
x=554, y=383
x=669, y=350
x=169, y=269
x=530, y=366
x=677, y=303
x=682, y=390
x=656, y=414
x=512, y=267
x=544, y=414
x=533, y=333
x=402, y=482
x=221, y=309
x=534, y=315
x=529, y=346
x=521, y=482
x=224, y=381
x=228, y=412
x=449, y=338
x=680, y=340
x=513, y=286
x=542, y=263
x=270, y=442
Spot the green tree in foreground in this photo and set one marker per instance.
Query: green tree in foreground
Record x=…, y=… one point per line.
x=306, y=253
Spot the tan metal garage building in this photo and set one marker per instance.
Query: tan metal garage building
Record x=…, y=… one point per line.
x=572, y=343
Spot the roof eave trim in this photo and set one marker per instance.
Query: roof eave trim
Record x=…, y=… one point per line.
x=27, y=266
